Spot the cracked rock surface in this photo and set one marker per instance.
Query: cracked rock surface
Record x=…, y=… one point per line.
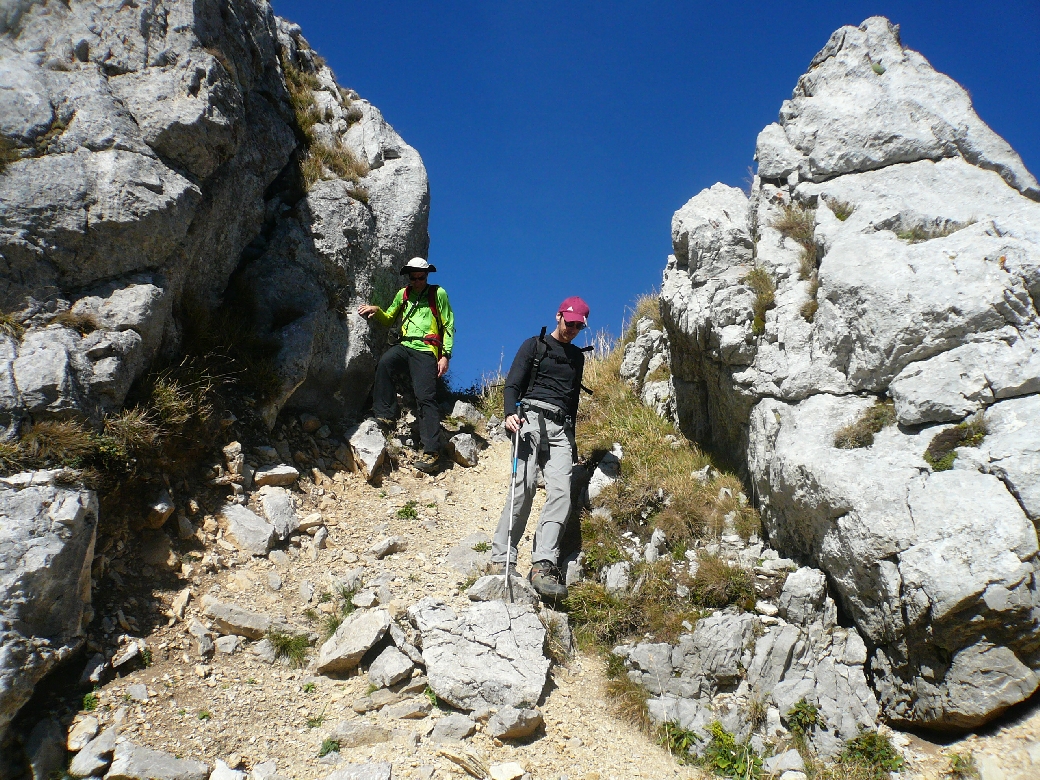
x=922, y=287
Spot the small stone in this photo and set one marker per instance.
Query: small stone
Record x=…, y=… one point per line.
x=410, y=709
x=128, y=653
x=357, y=733
x=82, y=733
x=306, y=590
x=229, y=644
x=452, y=728
x=278, y=558
x=274, y=580
x=309, y=422
x=465, y=450
x=355, y=636
x=159, y=511
x=767, y=609
x=312, y=522
x=223, y=771
x=388, y=546
x=94, y=758
x=185, y=530
x=509, y=771
x=514, y=723
x=264, y=650
x=280, y=476
x=391, y=666
x=321, y=537
x=493, y=587
x=365, y=599
x=92, y=672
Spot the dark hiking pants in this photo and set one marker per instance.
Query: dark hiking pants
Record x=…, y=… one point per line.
x=422, y=367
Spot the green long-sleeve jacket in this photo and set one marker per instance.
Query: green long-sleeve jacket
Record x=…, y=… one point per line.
x=417, y=320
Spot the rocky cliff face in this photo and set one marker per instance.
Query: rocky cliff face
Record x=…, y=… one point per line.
x=890, y=249
x=151, y=153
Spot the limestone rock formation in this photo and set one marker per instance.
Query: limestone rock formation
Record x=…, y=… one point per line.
x=162, y=150
x=733, y=663
x=48, y=546
x=890, y=248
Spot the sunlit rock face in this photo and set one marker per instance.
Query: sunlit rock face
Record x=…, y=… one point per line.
x=916, y=282
x=152, y=171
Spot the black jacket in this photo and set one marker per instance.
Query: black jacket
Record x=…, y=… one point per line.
x=559, y=375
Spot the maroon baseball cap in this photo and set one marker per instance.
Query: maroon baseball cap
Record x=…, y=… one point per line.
x=574, y=309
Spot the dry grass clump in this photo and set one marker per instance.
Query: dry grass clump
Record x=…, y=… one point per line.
x=920, y=233
x=336, y=160
x=841, y=209
x=45, y=142
x=10, y=325
x=942, y=450
x=646, y=306
x=81, y=322
x=9, y=152
x=56, y=442
x=629, y=699
x=798, y=223
x=861, y=433
x=717, y=584
x=764, y=287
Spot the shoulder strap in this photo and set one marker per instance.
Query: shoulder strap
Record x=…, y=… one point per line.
x=540, y=350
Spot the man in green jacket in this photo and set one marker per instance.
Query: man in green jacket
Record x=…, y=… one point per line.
x=427, y=336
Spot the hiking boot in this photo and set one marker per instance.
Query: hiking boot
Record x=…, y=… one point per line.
x=545, y=578
x=428, y=462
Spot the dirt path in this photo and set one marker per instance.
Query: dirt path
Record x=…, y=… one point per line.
x=245, y=711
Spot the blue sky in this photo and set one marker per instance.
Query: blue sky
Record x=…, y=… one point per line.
x=560, y=137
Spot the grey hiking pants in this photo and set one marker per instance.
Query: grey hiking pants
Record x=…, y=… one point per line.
x=545, y=443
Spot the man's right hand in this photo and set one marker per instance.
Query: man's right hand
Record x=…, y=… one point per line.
x=513, y=423
x=367, y=310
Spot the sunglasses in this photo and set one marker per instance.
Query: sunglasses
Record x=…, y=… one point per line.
x=575, y=325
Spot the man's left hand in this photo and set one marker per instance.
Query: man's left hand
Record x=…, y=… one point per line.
x=442, y=366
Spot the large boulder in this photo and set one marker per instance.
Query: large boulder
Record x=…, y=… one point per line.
x=916, y=277
x=47, y=547
x=492, y=655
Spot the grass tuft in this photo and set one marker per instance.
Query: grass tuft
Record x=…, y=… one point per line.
x=9, y=153
x=942, y=450
x=962, y=767
x=10, y=325
x=764, y=287
x=861, y=433
x=871, y=756
x=408, y=511
x=647, y=306
x=921, y=233
x=629, y=700
x=53, y=442
x=842, y=209
x=81, y=322
x=796, y=222
x=289, y=645
x=717, y=585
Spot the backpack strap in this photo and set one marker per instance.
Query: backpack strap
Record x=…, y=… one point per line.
x=435, y=340
x=540, y=351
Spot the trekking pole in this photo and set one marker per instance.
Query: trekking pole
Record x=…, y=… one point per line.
x=512, y=501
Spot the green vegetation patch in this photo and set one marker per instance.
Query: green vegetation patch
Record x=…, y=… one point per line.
x=290, y=646
x=962, y=767
x=764, y=287
x=871, y=756
x=408, y=511
x=861, y=433
x=942, y=450
x=717, y=585
x=726, y=757
x=679, y=742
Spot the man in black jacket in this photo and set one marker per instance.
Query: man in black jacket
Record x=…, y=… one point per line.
x=541, y=401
